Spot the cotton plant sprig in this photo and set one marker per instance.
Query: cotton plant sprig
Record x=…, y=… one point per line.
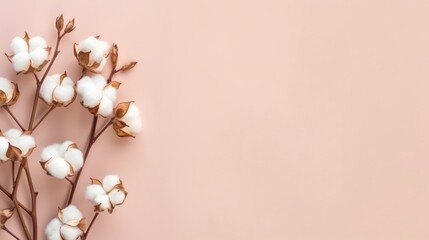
x=64, y=160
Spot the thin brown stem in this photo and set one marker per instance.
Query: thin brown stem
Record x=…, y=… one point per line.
x=9, y=195
x=11, y=233
x=33, y=194
x=85, y=235
x=13, y=173
x=33, y=110
x=44, y=116
x=103, y=129
x=6, y=108
x=56, y=52
x=16, y=203
x=111, y=75
x=36, y=78
x=83, y=73
x=88, y=148
x=40, y=81
x=70, y=181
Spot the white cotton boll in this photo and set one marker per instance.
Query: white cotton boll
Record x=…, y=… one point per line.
x=110, y=93
x=117, y=197
x=83, y=82
x=48, y=87
x=89, y=92
x=70, y=233
x=91, y=97
x=6, y=86
x=132, y=119
x=106, y=107
x=103, y=200
x=67, y=82
x=82, y=85
x=51, y=151
x=110, y=181
x=103, y=47
x=132, y=113
x=58, y=168
x=38, y=57
x=65, y=146
x=88, y=44
x=94, y=190
x=18, y=45
x=75, y=157
x=134, y=126
x=99, y=81
x=12, y=133
x=4, y=145
x=52, y=230
x=24, y=143
x=36, y=43
x=21, y=61
x=71, y=212
x=64, y=93
x=100, y=51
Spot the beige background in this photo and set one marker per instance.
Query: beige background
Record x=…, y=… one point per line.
x=265, y=120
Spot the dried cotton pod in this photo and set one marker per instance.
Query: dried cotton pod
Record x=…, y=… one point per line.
x=5, y=214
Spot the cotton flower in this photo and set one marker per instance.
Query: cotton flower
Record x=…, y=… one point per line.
x=127, y=122
x=8, y=92
x=92, y=53
x=15, y=144
x=58, y=90
x=68, y=225
x=29, y=54
x=107, y=194
x=62, y=160
x=97, y=95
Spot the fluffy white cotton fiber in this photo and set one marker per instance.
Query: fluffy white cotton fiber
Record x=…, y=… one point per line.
x=17, y=138
x=108, y=194
x=33, y=53
x=7, y=87
x=98, y=51
x=94, y=91
x=55, y=90
x=62, y=160
x=59, y=227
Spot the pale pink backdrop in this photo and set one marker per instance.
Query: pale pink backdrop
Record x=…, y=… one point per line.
x=263, y=120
